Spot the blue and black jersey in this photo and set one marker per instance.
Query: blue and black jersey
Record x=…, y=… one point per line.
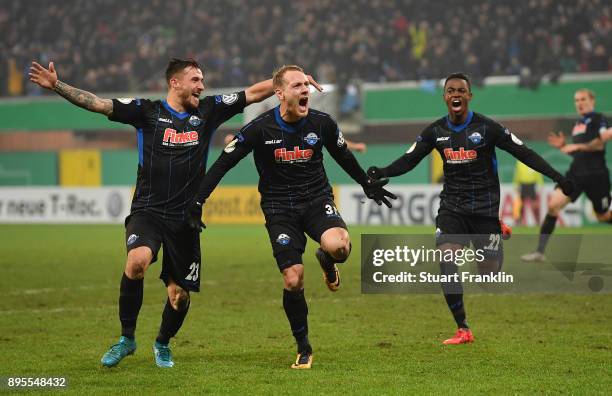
x=471, y=183
x=587, y=128
x=172, y=148
x=289, y=158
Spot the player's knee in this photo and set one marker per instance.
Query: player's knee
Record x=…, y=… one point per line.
x=293, y=278
x=554, y=209
x=337, y=243
x=137, y=262
x=489, y=267
x=556, y=202
x=341, y=252
x=180, y=299
x=294, y=283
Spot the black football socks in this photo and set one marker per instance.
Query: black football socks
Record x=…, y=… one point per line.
x=328, y=265
x=548, y=226
x=296, y=310
x=130, y=301
x=453, y=294
x=172, y=320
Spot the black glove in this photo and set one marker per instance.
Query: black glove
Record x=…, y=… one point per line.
x=566, y=185
x=375, y=173
x=194, y=216
x=374, y=190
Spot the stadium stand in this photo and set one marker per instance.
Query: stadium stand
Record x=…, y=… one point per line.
x=338, y=40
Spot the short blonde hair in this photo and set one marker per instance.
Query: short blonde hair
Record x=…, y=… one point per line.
x=588, y=92
x=277, y=76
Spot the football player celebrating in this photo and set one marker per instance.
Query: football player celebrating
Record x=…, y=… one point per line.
x=469, y=201
x=296, y=197
x=588, y=169
x=173, y=141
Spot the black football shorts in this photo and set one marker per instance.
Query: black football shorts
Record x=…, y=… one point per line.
x=596, y=187
x=286, y=227
x=181, y=259
x=479, y=231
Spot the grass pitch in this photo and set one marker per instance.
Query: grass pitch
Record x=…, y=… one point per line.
x=58, y=315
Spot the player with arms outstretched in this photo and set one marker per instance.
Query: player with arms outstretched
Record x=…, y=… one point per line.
x=173, y=139
x=296, y=197
x=469, y=201
x=588, y=169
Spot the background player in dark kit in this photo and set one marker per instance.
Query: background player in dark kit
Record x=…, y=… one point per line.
x=469, y=205
x=173, y=141
x=588, y=170
x=296, y=197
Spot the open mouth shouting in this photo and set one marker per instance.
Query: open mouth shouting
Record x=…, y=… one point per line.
x=194, y=98
x=456, y=105
x=303, y=104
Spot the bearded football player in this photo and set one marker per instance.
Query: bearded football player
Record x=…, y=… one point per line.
x=173, y=138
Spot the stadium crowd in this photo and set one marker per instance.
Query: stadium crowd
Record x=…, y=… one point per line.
x=115, y=45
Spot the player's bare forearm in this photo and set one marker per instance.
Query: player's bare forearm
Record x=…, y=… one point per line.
x=264, y=89
x=84, y=99
x=259, y=91
x=356, y=146
x=593, y=145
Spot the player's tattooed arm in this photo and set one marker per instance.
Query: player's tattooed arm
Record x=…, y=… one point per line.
x=84, y=99
x=47, y=78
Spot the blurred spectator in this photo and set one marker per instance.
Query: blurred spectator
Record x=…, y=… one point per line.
x=123, y=45
x=350, y=101
x=599, y=60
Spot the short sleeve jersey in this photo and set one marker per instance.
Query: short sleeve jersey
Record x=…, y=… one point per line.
x=586, y=129
x=172, y=148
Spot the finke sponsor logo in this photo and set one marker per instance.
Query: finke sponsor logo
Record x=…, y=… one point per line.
x=282, y=155
x=461, y=156
x=579, y=128
x=183, y=139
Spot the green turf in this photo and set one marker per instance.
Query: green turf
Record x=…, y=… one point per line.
x=58, y=314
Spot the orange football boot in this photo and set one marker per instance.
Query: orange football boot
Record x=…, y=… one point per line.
x=463, y=336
